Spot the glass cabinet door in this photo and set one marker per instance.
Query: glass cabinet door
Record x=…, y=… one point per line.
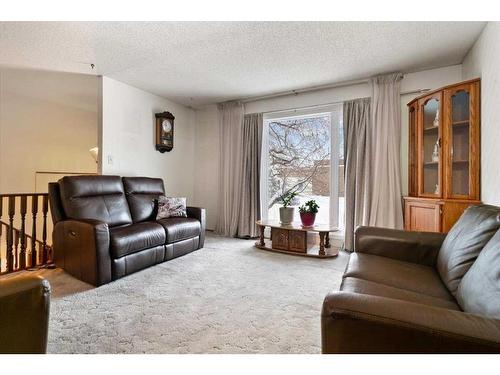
x=430, y=146
x=460, y=128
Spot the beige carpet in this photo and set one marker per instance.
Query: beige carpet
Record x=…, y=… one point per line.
x=226, y=298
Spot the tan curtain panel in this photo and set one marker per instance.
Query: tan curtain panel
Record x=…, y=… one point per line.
x=357, y=159
x=250, y=194
x=230, y=167
x=239, y=163
x=386, y=207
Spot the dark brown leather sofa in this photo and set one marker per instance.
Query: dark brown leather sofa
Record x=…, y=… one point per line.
x=24, y=315
x=415, y=292
x=105, y=227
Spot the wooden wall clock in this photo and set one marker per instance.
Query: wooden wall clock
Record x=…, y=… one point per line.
x=164, y=131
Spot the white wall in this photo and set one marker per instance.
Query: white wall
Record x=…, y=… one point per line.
x=128, y=138
x=483, y=60
x=48, y=123
x=207, y=123
x=207, y=162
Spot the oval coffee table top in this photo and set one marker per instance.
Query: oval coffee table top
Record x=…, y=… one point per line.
x=297, y=226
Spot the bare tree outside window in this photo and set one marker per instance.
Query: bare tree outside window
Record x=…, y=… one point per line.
x=299, y=159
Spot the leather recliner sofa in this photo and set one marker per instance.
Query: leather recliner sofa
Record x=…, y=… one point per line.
x=416, y=292
x=105, y=227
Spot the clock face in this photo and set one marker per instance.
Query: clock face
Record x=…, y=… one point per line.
x=166, y=125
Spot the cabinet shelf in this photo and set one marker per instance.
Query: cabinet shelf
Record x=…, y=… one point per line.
x=460, y=123
x=435, y=163
x=431, y=129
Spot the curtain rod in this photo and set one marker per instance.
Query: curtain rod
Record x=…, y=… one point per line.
x=300, y=91
x=302, y=108
x=318, y=88
x=418, y=91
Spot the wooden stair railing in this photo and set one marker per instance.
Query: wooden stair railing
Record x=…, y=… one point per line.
x=21, y=250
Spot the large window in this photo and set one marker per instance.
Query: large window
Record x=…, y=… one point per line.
x=303, y=152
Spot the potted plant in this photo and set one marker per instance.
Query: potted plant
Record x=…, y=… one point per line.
x=308, y=213
x=286, y=212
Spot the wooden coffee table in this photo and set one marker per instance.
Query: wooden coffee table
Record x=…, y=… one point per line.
x=292, y=239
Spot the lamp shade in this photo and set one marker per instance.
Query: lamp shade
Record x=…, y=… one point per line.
x=94, y=151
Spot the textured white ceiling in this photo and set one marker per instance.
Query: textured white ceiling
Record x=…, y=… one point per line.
x=198, y=63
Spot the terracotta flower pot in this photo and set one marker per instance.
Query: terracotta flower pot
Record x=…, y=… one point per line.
x=307, y=218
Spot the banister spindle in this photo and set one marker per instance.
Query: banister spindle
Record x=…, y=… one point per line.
x=1, y=230
x=22, y=255
x=34, y=211
x=16, y=249
x=45, y=209
x=1, y=233
x=10, y=234
x=50, y=255
x=6, y=262
x=40, y=250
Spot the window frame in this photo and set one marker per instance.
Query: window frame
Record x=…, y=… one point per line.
x=334, y=111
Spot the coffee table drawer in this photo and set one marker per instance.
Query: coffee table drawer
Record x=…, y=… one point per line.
x=297, y=241
x=291, y=240
x=279, y=238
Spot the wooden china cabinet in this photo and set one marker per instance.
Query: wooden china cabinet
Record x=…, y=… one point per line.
x=443, y=160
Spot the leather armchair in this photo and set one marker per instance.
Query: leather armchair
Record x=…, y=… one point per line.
x=24, y=315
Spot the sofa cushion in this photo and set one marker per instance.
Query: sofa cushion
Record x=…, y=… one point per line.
x=95, y=197
x=135, y=237
x=403, y=275
x=479, y=290
x=171, y=207
x=355, y=285
x=180, y=228
x=141, y=193
x=137, y=261
x=465, y=241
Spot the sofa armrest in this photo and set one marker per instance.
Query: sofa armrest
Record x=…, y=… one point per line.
x=200, y=215
x=360, y=323
x=415, y=247
x=81, y=247
x=24, y=315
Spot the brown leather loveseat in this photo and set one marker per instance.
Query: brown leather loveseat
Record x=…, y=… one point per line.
x=415, y=292
x=105, y=227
